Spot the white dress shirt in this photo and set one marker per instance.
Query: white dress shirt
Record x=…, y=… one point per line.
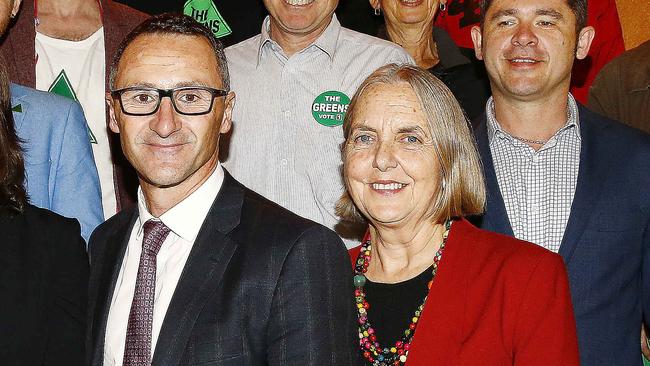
x=185, y=221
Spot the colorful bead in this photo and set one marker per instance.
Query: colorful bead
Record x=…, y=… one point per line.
x=359, y=280
x=384, y=356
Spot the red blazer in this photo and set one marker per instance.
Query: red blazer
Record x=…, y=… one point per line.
x=495, y=301
x=18, y=49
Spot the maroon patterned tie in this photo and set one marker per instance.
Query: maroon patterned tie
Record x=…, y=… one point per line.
x=137, y=349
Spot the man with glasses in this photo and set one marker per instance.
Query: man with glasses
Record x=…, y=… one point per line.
x=204, y=270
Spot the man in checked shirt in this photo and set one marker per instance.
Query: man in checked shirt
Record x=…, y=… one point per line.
x=562, y=176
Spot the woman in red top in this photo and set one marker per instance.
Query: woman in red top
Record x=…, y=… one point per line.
x=430, y=288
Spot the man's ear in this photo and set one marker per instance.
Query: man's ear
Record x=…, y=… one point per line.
x=477, y=39
x=226, y=121
x=585, y=37
x=112, y=121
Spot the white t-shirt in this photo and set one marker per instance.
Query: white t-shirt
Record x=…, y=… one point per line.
x=76, y=69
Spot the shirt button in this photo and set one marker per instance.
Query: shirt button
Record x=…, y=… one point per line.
x=284, y=162
x=535, y=158
x=287, y=114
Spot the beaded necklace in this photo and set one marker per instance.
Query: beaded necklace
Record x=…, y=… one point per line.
x=368, y=344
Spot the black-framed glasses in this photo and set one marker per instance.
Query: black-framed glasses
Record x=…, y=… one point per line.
x=187, y=100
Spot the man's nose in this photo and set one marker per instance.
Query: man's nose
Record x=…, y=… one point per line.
x=165, y=121
x=524, y=36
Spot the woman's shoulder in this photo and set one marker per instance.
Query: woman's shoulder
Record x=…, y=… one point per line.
x=490, y=247
x=45, y=235
x=41, y=215
x=49, y=225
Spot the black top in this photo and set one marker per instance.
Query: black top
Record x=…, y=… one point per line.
x=469, y=85
x=461, y=72
x=392, y=306
x=43, y=282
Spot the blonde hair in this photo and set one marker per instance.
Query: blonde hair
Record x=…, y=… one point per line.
x=462, y=187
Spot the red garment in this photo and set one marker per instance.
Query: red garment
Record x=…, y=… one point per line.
x=495, y=301
x=461, y=15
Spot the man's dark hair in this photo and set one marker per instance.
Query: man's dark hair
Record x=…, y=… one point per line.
x=579, y=8
x=173, y=24
x=13, y=196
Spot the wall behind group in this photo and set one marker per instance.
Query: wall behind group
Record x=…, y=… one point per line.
x=635, y=21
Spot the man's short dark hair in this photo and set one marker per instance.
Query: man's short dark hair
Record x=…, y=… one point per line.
x=173, y=24
x=579, y=8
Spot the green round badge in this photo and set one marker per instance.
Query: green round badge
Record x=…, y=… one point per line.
x=329, y=108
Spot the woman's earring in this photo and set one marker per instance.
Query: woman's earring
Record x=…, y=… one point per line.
x=443, y=6
x=377, y=12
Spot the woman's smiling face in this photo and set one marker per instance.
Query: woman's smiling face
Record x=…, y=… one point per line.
x=391, y=166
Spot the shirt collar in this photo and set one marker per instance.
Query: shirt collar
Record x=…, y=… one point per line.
x=493, y=126
x=326, y=42
x=186, y=218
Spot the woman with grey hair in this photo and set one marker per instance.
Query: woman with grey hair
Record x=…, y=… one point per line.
x=431, y=288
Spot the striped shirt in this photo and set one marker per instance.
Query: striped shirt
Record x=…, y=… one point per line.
x=277, y=147
x=537, y=186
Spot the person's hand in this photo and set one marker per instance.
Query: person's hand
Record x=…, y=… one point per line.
x=645, y=348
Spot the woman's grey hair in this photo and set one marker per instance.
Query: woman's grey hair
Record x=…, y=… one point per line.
x=462, y=187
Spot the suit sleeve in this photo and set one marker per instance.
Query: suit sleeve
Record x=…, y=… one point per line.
x=545, y=333
x=76, y=188
x=312, y=320
x=646, y=275
x=66, y=312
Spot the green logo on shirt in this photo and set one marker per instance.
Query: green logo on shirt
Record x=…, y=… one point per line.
x=206, y=13
x=329, y=108
x=62, y=86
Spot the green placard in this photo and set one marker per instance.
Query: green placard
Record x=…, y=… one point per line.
x=62, y=86
x=206, y=13
x=17, y=108
x=329, y=108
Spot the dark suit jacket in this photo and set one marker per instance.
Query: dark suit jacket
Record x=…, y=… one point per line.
x=261, y=286
x=495, y=301
x=18, y=47
x=606, y=245
x=43, y=282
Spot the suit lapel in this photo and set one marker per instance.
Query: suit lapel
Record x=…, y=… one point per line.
x=111, y=260
x=440, y=331
x=496, y=216
x=19, y=102
x=202, y=274
x=591, y=175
